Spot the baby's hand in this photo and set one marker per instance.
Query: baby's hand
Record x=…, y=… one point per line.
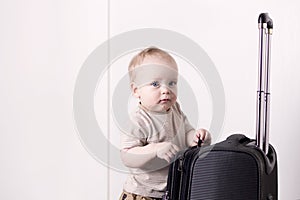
x=166, y=150
x=203, y=135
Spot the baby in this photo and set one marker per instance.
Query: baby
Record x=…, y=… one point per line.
x=159, y=129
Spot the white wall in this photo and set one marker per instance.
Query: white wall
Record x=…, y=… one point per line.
x=45, y=43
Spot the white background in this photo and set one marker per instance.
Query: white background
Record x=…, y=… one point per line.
x=43, y=45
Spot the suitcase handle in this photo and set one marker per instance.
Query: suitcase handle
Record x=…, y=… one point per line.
x=199, y=143
x=265, y=25
x=264, y=18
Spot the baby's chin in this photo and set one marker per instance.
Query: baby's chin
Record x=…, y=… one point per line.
x=162, y=107
x=159, y=106
x=166, y=108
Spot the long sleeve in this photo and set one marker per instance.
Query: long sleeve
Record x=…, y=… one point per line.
x=139, y=156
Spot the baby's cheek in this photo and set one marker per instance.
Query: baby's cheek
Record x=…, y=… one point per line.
x=174, y=97
x=174, y=91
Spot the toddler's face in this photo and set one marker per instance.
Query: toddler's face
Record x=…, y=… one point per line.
x=155, y=84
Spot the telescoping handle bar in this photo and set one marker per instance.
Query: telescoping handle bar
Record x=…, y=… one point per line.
x=265, y=25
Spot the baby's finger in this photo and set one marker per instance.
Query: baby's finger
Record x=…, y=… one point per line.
x=207, y=139
x=202, y=134
x=173, y=152
x=194, y=143
x=167, y=158
x=196, y=139
x=176, y=148
x=198, y=134
x=170, y=155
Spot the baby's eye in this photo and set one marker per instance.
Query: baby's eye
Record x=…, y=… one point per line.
x=172, y=83
x=155, y=84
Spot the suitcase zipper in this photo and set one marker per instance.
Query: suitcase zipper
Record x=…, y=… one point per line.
x=180, y=163
x=183, y=186
x=169, y=194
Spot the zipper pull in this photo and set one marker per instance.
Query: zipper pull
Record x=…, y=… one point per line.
x=180, y=164
x=166, y=196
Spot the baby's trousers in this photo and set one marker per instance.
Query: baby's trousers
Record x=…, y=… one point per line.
x=129, y=196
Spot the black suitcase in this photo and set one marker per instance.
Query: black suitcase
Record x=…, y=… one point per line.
x=238, y=168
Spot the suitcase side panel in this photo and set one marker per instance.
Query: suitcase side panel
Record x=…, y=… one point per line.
x=235, y=169
x=216, y=176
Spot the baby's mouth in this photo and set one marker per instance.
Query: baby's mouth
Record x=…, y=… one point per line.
x=164, y=100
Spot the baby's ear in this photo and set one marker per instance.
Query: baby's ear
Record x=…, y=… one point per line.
x=134, y=90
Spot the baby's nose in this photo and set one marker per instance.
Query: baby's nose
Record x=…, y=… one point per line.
x=165, y=89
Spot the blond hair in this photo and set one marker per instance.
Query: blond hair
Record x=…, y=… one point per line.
x=150, y=51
